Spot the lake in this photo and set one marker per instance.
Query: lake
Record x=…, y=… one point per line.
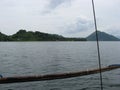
x=34, y=58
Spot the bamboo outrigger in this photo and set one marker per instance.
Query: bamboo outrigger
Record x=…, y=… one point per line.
x=18, y=79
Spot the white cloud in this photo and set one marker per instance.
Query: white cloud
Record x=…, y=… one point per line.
x=79, y=25
x=114, y=29
x=55, y=3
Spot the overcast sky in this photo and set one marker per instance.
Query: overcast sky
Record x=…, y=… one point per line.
x=73, y=18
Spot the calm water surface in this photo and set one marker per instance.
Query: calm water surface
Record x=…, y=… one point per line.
x=33, y=58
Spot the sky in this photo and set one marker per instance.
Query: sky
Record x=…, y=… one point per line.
x=70, y=18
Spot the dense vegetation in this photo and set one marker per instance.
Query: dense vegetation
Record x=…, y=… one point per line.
x=4, y=37
x=23, y=35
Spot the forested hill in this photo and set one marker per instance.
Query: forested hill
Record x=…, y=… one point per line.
x=102, y=36
x=23, y=35
x=4, y=37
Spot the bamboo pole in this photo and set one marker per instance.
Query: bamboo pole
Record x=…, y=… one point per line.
x=19, y=79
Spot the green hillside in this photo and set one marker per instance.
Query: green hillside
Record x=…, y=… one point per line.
x=23, y=35
x=4, y=37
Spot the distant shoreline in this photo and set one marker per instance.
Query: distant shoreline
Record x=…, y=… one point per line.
x=30, y=36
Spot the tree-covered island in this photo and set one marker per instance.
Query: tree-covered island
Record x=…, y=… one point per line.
x=23, y=35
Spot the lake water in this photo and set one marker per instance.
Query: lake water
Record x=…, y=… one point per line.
x=34, y=58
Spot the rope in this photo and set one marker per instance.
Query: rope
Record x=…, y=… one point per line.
x=98, y=49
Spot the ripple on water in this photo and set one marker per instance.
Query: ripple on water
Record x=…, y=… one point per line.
x=31, y=58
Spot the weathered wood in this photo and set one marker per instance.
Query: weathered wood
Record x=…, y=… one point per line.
x=19, y=79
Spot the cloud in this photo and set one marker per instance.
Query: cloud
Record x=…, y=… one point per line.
x=114, y=29
x=55, y=3
x=64, y=17
x=80, y=25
